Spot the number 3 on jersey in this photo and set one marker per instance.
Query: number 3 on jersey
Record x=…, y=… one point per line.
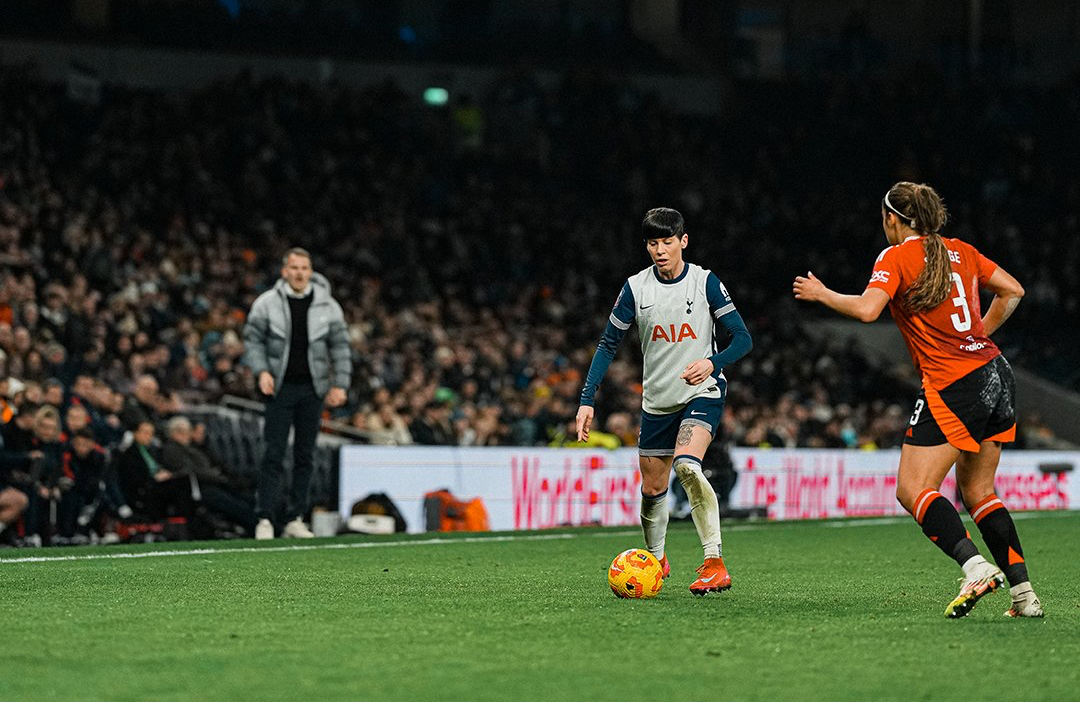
x=960, y=323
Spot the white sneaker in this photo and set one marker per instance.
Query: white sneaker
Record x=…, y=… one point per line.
x=983, y=579
x=296, y=529
x=1025, y=603
x=264, y=530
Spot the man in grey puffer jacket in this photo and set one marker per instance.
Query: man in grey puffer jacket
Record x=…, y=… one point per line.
x=297, y=345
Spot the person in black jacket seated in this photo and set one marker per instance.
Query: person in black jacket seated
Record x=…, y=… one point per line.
x=95, y=483
x=181, y=457
x=51, y=481
x=150, y=488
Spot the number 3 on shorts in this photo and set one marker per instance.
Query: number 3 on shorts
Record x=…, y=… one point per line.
x=919, y=404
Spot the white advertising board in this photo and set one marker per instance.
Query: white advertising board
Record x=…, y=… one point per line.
x=538, y=488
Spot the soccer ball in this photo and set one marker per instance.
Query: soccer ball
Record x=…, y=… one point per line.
x=635, y=573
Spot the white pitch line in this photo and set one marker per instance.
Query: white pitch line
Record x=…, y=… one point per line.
x=863, y=522
x=876, y=521
x=280, y=549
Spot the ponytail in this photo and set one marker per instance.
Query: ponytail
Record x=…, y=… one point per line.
x=925, y=213
x=935, y=281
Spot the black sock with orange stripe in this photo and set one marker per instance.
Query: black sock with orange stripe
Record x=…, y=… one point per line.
x=941, y=524
x=999, y=532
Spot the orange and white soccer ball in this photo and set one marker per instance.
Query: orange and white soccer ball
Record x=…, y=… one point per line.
x=635, y=574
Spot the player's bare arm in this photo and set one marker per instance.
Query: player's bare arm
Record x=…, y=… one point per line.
x=865, y=308
x=1007, y=293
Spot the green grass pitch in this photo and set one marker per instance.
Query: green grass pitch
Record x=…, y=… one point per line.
x=818, y=611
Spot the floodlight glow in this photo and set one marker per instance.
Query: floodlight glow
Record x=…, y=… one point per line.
x=436, y=96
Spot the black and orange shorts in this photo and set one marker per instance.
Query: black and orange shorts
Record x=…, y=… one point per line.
x=978, y=407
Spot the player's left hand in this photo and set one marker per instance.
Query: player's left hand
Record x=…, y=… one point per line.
x=336, y=397
x=697, y=372
x=808, y=288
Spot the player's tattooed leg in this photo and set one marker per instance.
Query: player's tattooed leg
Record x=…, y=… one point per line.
x=684, y=435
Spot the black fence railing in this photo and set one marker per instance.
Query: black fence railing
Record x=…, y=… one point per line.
x=234, y=431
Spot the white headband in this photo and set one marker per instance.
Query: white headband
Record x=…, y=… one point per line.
x=889, y=206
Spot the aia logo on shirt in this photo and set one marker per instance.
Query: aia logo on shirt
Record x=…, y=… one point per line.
x=668, y=333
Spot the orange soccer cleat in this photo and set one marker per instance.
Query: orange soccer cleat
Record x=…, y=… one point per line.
x=665, y=565
x=712, y=577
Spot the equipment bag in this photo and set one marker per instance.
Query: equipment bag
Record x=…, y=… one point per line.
x=444, y=512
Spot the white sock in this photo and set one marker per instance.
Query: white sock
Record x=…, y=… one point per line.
x=971, y=564
x=3, y=525
x=654, y=521
x=1022, y=589
x=704, y=509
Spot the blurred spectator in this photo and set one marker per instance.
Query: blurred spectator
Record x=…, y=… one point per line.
x=143, y=405
x=19, y=450
x=134, y=242
x=387, y=426
x=566, y=435
x=76, y=418
x=1036, y=435
x=151, y=489
x=87, y=463
x=180, y=456
x=432, y=427
x=51, y=500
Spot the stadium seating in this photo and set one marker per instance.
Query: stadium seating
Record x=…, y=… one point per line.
x=477, y=248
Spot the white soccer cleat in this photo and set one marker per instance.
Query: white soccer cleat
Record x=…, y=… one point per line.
x=985, y=578
x=1025, y=604
x=296, y=529
x=264, y=530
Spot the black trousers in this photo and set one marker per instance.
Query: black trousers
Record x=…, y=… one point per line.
x=295, y=406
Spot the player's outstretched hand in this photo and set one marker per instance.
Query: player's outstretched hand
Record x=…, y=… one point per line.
x=808, y=288
x=584, y=421
x=697, y=372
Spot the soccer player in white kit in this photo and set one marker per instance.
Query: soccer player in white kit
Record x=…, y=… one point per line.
x=676, y=306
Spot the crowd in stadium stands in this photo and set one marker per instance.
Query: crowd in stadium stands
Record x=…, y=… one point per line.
x=476, y=250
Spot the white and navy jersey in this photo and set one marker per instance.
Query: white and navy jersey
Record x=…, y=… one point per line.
x=676, y=322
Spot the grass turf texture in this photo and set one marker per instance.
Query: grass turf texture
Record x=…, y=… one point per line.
x=819, y=610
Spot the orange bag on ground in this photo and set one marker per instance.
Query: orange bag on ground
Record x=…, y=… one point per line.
x=444, y=512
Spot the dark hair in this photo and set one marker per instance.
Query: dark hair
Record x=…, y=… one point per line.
x=661, y=223
x=295, y=251
x=925, y=212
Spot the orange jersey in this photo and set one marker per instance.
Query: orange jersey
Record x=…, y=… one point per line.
x=948, y=341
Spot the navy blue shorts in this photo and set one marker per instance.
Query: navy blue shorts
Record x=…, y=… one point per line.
x=660, y=431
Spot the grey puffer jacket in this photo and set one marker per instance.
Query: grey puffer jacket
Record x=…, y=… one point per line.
x=268, y=333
